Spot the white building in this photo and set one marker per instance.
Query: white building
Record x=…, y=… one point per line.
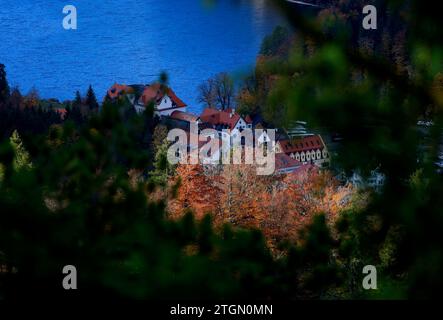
x=308, y=150
x=375, y=180
x=163, y=98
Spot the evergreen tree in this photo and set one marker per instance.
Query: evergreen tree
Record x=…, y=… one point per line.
x=78, y=99
x=162, y=168
x=74, y=113
x=273, y=42
x=4, y=87
x=22, y=160
x=78, y=206
x=16, y=99
x=91, y=100
x=159, y=136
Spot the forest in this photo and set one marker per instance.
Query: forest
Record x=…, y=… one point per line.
x=92, y=188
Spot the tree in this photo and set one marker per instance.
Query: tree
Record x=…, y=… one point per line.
x=197, y=192
x=159, y=136
x=272, y=43
x=254, y=94
x=16, y=99
x=80, y=196
x=4, y=86
x=78, y=100
x=75, y=111
x=32, y=99
x=206, y=93
x=162, y=168
x=101, y=222
x=217, y=92
x=22, y=160
x=91, y=100
x=385, y=100
x=437, y=92
x=311, y=192
x=241, y=194
x=224, y=89
x=247, y=98
x=281, y=206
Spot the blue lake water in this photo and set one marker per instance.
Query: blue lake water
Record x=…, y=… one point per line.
x=130, y=41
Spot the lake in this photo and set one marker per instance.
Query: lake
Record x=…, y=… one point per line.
x=130, y=41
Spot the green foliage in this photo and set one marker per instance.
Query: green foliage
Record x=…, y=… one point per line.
x=78, y=100
x=91, y=100
x=22, y=160
x=163, y=170
x=159, y=136
x=366, y=97
x=78, y=206
x=4, y=86
x=272, y=43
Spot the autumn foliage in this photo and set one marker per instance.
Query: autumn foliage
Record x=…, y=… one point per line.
x=279, y=205
x=196, y=192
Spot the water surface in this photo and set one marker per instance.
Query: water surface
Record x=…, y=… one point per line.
x=130, y=41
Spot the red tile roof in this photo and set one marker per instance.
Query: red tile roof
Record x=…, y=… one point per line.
x=156, y=92
x=184, y=116
x=151, y=93
x=226, y=118
x=192, y=138
x=117, y=89
x=283, y=161
x=61, y=112
x=175, y=99
x=302, y=144
x=247, y=119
